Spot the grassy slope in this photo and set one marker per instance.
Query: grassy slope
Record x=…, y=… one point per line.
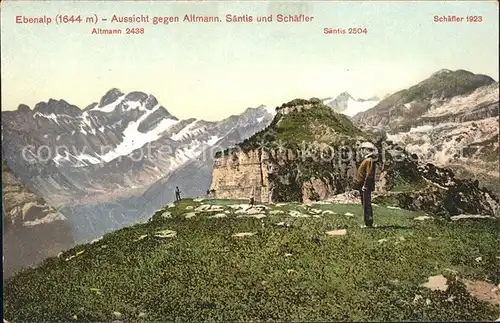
x=206, y=274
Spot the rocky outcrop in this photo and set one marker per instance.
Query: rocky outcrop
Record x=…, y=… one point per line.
x=433, y=97
x=450, y=119
x=32, y=230
x=241, y=175
x=295, y=176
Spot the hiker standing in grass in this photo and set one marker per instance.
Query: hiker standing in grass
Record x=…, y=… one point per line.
x=177, y=194
x=365, y=179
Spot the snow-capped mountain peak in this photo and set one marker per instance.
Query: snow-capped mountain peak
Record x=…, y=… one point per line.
x=123, y=142
x=345, y=103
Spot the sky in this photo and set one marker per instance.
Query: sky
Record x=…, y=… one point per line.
x=211, y=71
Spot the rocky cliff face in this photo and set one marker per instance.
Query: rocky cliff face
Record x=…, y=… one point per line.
x=32, y=230
x=428, y=100
x=320, y=170
x=276, y=164
x=241, y=175
x=450, y=120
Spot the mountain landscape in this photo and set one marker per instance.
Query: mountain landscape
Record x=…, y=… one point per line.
x=276, y=166
x=114, y=148
x=344, y=103
x=288, y=256
x=296, y=254
x=450, y=119
x=94, y=163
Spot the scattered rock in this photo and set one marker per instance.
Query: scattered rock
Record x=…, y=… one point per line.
x=394, y=281
x=417, y=298
x=291, y=271
x=288, y=255
x=422, y=218
x=96, y=240
x=321, y=202
x=244, y=234
x=117, y=314
x=470, y=216
x=382, y=240
x=351, y=197
x=430, y=238
x=209, y=208
x=141, y=237
x=141, y=315
x=96, y=290
x=329, y=212
x=189, y=207
x=198, y=200
x=451, y=270
x=402, y=239
x=277, y=212
x=239, y=206
x=315, y=211
x=337, y=232
x=438, y=282
x=451, y=298
x=394, y=207
x=76, y=255
x=478, y=259
x=428, y=301
x=256, y=209
x=171, y=205
x=348, y=214
x=165, y=234
x=190, y=215
x=483, y=291
x=297, y=214
x=218, y=215
x=166, y=214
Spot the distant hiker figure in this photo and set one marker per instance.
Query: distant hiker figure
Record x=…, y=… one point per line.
x=177, y=194
x=365, y=180
x=252, y=198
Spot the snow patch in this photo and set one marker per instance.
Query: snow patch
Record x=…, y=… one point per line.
x=354, y=107
x=134, y=139
x=51, y=217
x=111, y=106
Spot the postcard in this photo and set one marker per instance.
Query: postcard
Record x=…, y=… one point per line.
x=250, y=161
